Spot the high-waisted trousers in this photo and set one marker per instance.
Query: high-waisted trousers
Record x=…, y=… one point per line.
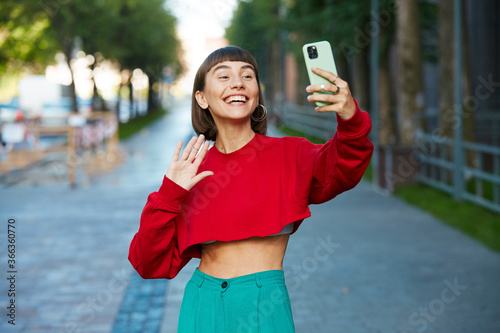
x=254, y=303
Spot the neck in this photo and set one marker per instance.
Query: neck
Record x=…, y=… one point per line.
x=231, y=139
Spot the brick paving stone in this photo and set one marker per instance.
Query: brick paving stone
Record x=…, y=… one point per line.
x=142, y=306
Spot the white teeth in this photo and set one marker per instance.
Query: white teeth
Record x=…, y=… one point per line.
x=231, y=99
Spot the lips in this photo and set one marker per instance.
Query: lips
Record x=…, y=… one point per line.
x=236, y=99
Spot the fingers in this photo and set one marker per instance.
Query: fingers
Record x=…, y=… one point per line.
x=336, y=103
x=335, y=79
x=344, y=106
x=328, y=97
x=324, y=88
x=335, y=93
x=191, y=149
x=203, y=151
x=177, y=151
x=198, y=144
x=187, y=150
x=202, y=175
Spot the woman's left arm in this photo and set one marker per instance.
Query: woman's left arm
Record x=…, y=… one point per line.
x=341, y=162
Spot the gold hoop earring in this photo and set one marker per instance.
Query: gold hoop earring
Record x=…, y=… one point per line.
x=261, y=118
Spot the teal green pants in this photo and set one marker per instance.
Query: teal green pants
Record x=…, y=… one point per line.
x=255, y=303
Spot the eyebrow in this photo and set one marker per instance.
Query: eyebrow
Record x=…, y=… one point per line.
x=227, y=67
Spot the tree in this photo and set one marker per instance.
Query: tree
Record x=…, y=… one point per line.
x=409, y=68
x=150, y=45
x=256, y=26
x=117, y=29
x=343, y=23
x=387, y=104
x=446, y=73
x=23, y=37
x=446, y=64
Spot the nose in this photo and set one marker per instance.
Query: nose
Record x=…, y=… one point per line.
x=237, y=83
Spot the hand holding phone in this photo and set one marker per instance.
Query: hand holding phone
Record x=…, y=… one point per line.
x=324, y=80
x=319, y=55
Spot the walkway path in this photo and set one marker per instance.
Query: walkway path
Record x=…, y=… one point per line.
x=361, y=263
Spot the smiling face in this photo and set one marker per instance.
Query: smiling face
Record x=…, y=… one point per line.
x=206, y=104
x=231, y=92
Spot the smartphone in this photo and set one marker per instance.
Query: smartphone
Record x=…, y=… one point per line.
x=320, y=55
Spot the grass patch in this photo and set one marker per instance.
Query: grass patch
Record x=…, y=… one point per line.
x=471, y=219
x=368, y=175
x=288, y=131
x=485, y=185
x=128, y=129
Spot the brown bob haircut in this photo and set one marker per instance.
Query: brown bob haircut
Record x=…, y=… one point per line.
x=203, y=122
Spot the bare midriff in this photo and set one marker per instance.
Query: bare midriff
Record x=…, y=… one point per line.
x=226, y=260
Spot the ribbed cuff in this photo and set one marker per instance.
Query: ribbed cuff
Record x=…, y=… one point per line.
x=171, y=193
x=354, y=124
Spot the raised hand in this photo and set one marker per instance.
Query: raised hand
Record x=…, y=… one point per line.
x=183, y=171
x=341, y=102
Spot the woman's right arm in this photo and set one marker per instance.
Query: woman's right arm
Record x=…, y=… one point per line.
x=154, y=251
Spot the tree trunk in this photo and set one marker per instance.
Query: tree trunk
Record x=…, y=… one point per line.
x=446, y=64
x=361, y=78
x=468, y=116
x=409, y=68
x=131, y=98
x=72, y=88
x=151, y=94
x=98, y=103
x=388, y=134
x=276, y=86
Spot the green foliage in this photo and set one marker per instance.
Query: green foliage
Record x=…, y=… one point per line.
x=24, y=37
x=128, y=129
x=145, y=37
x=345, y=24
x=136, y=33
x=254, y=24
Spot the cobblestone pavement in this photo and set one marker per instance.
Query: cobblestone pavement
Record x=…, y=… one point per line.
x=362, y=262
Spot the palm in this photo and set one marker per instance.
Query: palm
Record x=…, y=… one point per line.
x=184, y=168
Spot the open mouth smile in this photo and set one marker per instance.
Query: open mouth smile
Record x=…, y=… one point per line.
x=236, y=100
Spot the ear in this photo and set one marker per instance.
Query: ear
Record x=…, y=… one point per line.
x=200, y=98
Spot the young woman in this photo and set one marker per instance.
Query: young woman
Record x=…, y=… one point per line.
x=236, y=204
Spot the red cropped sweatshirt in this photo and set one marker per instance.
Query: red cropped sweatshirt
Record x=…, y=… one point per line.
x=255, y=191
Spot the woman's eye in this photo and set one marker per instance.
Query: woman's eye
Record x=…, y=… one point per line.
x=248, y=77
x=223, y=77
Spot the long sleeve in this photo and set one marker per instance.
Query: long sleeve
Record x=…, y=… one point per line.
x=340, y=163
x=154, y=250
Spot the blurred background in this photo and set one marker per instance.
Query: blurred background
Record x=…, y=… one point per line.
x=81, y=75
x=103, y=87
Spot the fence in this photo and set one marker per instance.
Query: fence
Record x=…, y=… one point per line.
x=89, y=141
x=303, y=118
x=436, y=161
x=441, y=164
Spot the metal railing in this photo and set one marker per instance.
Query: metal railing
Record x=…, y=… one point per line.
x=442, y=163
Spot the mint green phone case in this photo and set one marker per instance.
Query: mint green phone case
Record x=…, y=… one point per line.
x=324, y=61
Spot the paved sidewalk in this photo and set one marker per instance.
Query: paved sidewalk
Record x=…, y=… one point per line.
x=72, y=244
x=361, y=263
